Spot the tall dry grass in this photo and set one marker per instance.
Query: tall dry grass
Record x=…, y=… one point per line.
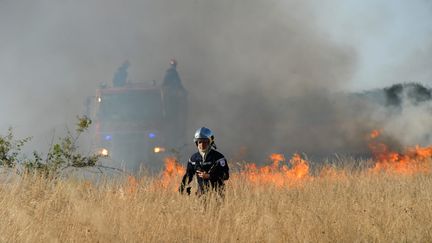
x=356, y=207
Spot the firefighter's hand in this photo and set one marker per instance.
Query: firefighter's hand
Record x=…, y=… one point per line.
x=203, y=175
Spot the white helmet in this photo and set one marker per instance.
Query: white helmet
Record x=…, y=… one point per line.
x=204, y=132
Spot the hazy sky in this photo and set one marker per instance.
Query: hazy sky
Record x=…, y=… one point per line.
x=393, y=39
x=239, y=59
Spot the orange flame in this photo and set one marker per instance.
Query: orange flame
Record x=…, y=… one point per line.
x=276, y=158
x=412, y=160
x=300, y=167
x=173, y=171
x=374, y=134
x=275, y=174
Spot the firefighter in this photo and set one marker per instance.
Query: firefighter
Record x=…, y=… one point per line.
x=209, y=166
x=120, y=77
x=172, y=78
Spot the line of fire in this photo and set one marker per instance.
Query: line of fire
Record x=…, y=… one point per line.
x=295, y=171
x=137, y=124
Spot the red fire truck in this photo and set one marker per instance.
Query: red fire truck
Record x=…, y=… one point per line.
x=138, y=123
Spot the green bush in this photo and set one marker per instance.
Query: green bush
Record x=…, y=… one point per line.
x=61, y=155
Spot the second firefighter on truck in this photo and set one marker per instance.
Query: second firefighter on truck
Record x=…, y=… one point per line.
x=210, y=166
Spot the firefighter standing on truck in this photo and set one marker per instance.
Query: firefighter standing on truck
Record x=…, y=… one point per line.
x=210, y=166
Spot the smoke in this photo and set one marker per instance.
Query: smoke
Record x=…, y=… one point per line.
x=261, y=74
x=404, y=114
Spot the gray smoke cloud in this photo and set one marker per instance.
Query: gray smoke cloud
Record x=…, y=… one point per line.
x=261, y=74
x=403, y=113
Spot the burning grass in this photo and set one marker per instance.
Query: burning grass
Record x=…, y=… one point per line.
x=388, y=199
x=334, y=204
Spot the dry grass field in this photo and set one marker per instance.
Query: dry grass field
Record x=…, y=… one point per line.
x=333, y=205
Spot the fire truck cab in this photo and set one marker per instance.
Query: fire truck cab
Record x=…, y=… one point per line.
x=137, y=124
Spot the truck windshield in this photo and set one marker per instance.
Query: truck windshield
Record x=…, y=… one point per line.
x=132, y=105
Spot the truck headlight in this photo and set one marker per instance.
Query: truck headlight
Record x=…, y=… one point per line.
x=103, y=152
x=158, y=149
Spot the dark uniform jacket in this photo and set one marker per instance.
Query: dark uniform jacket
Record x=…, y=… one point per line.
x=215, y=164
x=172, y=79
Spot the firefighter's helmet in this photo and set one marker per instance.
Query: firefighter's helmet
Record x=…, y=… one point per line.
x=173, y=62
x=204, y=132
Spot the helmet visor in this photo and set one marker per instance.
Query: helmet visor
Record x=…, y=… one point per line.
x=203, y=140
